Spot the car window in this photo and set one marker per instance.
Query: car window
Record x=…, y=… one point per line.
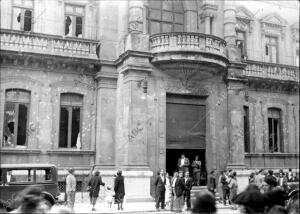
x=43, y=175
x=19, y=175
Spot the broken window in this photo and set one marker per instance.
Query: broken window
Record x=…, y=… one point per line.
x=16, y=113
x=70, y=117
x=22, y=15
x=271, y=46
x=74, y=20
x=274, y=126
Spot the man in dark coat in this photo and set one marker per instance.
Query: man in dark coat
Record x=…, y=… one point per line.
x=179, y=188
x=211, y=182
x=225, y=187
x=188, y=182
x=160, y=190
x=94, y=186
x=119, y=190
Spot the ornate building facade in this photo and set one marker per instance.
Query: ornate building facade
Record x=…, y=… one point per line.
x=132, y=84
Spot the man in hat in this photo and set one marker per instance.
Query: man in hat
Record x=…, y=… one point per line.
x=71, y=188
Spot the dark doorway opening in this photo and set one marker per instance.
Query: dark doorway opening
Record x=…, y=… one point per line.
x=172, y=156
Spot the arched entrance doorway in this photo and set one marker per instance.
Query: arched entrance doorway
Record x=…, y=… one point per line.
x=186, y=128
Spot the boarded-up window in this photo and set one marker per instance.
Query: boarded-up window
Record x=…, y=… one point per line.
x=241, y=43
x=165, y=16
x=246, y=129
x=22, y=15
x=70, y=120
x=74, y=16
x=275, y=130
x=16, y=114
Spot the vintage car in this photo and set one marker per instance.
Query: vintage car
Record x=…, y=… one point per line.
x=16, y=177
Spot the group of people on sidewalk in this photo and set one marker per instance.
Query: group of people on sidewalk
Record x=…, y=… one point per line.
x=93, y=188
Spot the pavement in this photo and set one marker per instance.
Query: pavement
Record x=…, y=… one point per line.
x=138, y=207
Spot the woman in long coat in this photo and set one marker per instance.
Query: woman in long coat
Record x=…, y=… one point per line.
x=119, y=190
x=94, y=188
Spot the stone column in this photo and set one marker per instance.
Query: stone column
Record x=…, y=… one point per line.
x=135, y=22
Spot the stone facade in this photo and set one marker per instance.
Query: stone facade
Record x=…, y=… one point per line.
x=130, y=79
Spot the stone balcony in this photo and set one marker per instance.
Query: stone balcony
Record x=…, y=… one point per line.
x=36, y=43
x=271, y=71
x=183, y=50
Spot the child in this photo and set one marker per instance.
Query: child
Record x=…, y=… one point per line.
x=109, y=196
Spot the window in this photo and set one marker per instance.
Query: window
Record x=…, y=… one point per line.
x=43, y=175
x=275, y=135
x=297, y=56
x=70, y=117
x=246, y=129
x=241, y=43
x=165, y=16
x=19, y=175
x=22, y=15
x=16, y=114
x=271, y=49
x=74, y=20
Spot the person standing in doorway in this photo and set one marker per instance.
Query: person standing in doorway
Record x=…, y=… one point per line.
x=183, y=163
x=211, y=182
x=119, y=190
x=179, y=192
x=71, y=188
x=196, y=165
x=173, y=183
x=160, y=190
x=94, y=186
x=188, y=187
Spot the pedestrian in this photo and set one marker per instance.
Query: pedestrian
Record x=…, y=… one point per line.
x=233, y=187
x=282, y=181
x=168, y=191
x=204, y=203
x=270, y=181
x=290, y=175
x=32, y=200
x=188, y=182
x=196, y=165
x=179, y=189
x=119, y=190
x=173, y=182
x=71, y=188
x=211, y=182
x=160, y=190
x=251, y=179
x=225, y=187
x=183, y=163
x=94, y=187
x=109, y=194
x=259, y=180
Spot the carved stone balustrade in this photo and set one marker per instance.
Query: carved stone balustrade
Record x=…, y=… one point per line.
x=271, y=71
x=20, y=41
x=193, y=50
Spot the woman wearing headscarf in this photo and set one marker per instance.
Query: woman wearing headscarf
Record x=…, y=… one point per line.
x=94, y=188
x=119, y=190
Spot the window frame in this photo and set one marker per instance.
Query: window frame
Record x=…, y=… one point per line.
x=161, y=21
x=16, y=104
x=268, y=45
x=280, y=143
x=23, y=8
x=74, y=14
x=244, y=51
x=70, y=112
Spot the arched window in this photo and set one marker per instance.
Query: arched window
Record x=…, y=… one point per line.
x=16, y=114
x=275, y=130
x=165, y=16
x=70, y=120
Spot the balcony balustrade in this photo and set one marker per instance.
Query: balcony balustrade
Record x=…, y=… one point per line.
x=271, y=71
x=20, y=41
x=194, y=42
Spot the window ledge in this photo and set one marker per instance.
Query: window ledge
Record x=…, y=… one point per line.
x=19, y=150
x=71, y=152
x=272, y=154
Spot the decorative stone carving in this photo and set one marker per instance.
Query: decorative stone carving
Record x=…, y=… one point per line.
x=186, y=87
x=273, y=24
x=244, y=19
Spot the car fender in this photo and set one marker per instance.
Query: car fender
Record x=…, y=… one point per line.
x=49, y=197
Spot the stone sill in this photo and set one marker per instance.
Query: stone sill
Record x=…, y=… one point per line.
x=70, y=152
x=274, y=155
x=20, y=151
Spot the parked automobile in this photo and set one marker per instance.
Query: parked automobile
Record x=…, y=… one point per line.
x=16, y=177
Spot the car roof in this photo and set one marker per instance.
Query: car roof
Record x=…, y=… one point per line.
x=27, y=165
